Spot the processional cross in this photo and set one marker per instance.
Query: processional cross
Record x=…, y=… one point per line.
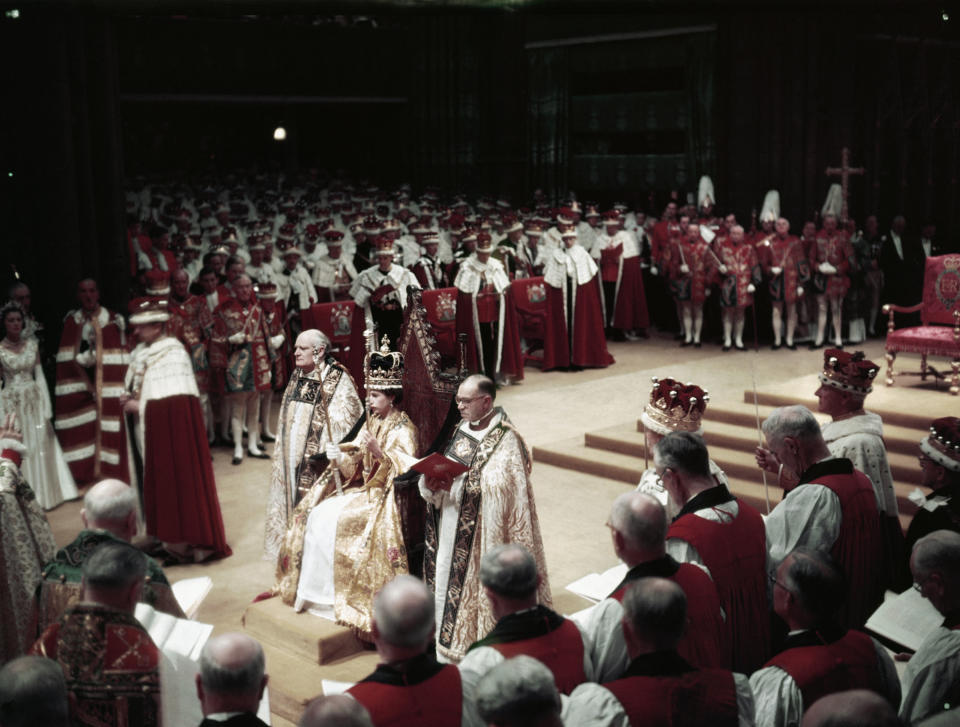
x=844, y=171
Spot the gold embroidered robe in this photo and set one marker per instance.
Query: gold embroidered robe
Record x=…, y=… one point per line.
x=495, y=505
x=369, y=550
x=312, y=414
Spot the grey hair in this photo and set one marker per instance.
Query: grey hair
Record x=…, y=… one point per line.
x=517, y=692
x=684, y=452
x=244, y=678
x=318, y=338
x=657, y=610
x=510, y=571
x=938, y=552
x=790, y=421
x=643, y=527
x=337, y=710
x=404, y=612
x=114, y=506
x=33, y=691
x=114, y=565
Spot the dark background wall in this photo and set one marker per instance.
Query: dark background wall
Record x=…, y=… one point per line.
x=617, y=102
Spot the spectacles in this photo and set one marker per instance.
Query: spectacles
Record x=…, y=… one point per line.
x=660, y=475
x=468, y=400
x=773, y=579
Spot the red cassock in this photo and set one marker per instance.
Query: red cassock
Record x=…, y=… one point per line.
x=735, y=553
x=850, y=662
x=859, y=545
x=699, y=697
x=704, y=643
x=90, y=423
x=834, y=248
x=574, y=327
x=620, y=264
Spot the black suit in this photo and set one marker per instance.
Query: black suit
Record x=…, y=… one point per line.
x=247, y=719
x=902, y=275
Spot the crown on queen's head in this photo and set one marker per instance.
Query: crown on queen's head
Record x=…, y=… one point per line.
x=383, y=369
x=674, y=407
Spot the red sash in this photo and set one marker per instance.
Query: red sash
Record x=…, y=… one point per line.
x=436, y=701
x=736, y=555
x=848, y=663
x=707, y=696
x=561, y=650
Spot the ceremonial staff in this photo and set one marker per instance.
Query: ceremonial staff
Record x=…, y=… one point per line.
x=756, y=408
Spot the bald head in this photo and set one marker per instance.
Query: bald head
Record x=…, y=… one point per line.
x=935, y=563
x=111, y=505
x=641, y=521
x=482, y=384
x=853, y=708
x=231, y=677
x=337, y=710
x=403, y=613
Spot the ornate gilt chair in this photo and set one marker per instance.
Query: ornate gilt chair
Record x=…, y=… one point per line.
x=939, y=332
x=441, y=307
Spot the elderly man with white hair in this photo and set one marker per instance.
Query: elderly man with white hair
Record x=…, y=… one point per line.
x=832, y=508
x=320, y=406
x=519, y=692
x=409, y=685
x=109, y=514
x=931, y=683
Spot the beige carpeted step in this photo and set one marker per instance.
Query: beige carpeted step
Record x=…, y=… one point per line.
x=617, y=453
x=300, y=634
x=900, y=417
x=301, y=679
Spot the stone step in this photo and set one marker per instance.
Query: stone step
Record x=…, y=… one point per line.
x=309, y=637
x=302, y=679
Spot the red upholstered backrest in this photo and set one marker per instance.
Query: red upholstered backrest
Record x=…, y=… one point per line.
x=334, y=319
x=941, y=289
x=530, y=295
x=441, y=305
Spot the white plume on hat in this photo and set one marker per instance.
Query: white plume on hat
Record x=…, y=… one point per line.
x=705, y=191
x=833, y=204
x=771, y=206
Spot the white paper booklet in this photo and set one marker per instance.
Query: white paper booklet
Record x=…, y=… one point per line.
x=181, y=642
x=597, y=586
x=906, y=619
x=191, y=592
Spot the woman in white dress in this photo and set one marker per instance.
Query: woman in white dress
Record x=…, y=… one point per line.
x=25, y=395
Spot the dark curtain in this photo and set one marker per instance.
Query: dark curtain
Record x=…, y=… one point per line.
x=63, y=206
x=548, y=120
x=701, y=89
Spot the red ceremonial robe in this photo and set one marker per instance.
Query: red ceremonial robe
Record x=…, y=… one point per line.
x=546, y=636
x=417, y=692
x=90, y=423
x=180, y=503
x=630, y=310
x=574, y=326
x=661, y=690
x=511, y=354
x=859, y=547
x=735, y=553
x=704, y=643
x=826, y=667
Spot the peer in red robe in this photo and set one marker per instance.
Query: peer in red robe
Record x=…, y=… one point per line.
x=574, y=327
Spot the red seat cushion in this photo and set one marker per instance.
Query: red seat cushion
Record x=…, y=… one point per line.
x=931, y=340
